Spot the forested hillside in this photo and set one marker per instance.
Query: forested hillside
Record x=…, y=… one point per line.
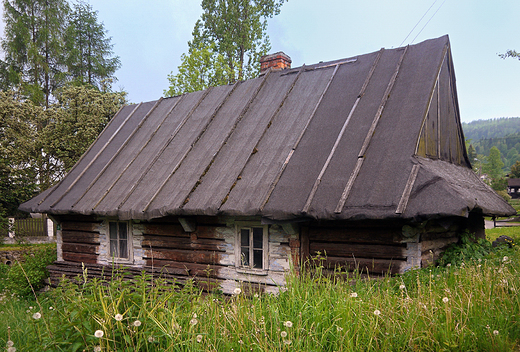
x=503, y=133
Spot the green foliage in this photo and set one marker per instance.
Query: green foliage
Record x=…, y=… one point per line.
x=47, y=44
x=88, y=49
x=515, y=170
x=467, y=249
x=228, y=41
x=510, y=53
x=29, y=274
x=472, y=305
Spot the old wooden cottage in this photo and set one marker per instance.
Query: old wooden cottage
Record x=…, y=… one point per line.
x=361, y=160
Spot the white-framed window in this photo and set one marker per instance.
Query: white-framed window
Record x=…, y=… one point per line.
x=119, y=237
x=251, y=248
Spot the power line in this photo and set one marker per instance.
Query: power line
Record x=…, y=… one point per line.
x=404, y=40
x=417, y=23
x=428, y=21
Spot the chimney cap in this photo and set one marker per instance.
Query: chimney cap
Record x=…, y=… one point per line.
x=276, y=61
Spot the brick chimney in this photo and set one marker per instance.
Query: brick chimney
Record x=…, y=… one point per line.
x=278, y=61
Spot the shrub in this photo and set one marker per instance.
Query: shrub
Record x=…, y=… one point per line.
x=468, y=248
x=31, y=271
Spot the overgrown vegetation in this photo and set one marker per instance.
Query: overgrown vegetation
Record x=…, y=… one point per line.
x=469, y=305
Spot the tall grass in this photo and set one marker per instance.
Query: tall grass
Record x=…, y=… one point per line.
x=473, y=306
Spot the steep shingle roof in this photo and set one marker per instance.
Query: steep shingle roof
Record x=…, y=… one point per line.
x=369, y=137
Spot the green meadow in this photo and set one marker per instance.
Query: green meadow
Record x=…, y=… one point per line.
x=469, y=303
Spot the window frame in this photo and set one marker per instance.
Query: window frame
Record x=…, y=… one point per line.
x=129, y=240
x=239, y=226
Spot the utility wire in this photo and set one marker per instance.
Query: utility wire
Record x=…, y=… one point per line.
x=428, y=22
x=417, y=23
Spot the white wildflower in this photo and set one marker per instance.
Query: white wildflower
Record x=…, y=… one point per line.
x=151, y=339
x=199, y=338
x=353, y=295
x=11, y=349
x=288, y=324
x=97, y=349
x=402, y=287
x=283, y=334
x=194, y=321
x=287, y=342
x=495, y=332
x=448, y=265
x=10, y=343
x=445, y=299
x=37, y=316
x=377, y=312
x=237, y=291
x=99, y=334
x=137, y=323
x=118, y=317
x=505, y=259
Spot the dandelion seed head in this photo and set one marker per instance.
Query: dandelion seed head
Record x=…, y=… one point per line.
x=118, y=317
x=402, y=287
x=194, y=321
x=288, y=324
x=97, y=349
x=151, y=339
x=137, y=323
x=377, y=312
x=241, y=342
x=505, y=259
x=37, y=315
x=11, y=349
x=287, y=342
x=283, y=334
x=495, y=332
x=99, y=334
x=195, y=315
x=448, y=265
x=488, y=327
x=256, y=295
x=445, y=299
x=353, y=294
x=199, y=338
x=237, y=291
x=30, y=307
x=10, y=343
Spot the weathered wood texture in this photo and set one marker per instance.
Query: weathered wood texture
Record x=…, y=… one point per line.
x=80, y=241
x=374, y=249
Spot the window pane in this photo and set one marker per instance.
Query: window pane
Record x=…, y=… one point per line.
x=113, y=248
x=244, y=256
x=113, y=230
x=244, y=237
x=123, y=248
x=258, y=237
x=257, y=258
x=122, y=230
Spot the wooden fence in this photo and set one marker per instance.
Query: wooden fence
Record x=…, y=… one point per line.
x=31, y=227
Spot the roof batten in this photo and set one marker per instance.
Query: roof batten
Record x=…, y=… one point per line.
x=138, y=153
x=300, y=71
x=118, y=151
x=177, y=129
x=289, y=156
x=242, y=113
x=401, y=207
x=368, y=138
x=340, y=135
x=96, y=156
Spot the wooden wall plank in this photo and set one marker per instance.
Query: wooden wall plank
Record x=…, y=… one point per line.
x=183, y=243
x=357, y=250
x=80, y=237
x=79, y=226
x=79, y=248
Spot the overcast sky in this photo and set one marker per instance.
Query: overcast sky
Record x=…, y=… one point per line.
x=150, y=36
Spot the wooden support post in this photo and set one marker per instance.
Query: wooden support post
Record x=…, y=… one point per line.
x=189, y=225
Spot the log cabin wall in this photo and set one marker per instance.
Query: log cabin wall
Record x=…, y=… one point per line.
x=380, y=247
x=206, y=254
